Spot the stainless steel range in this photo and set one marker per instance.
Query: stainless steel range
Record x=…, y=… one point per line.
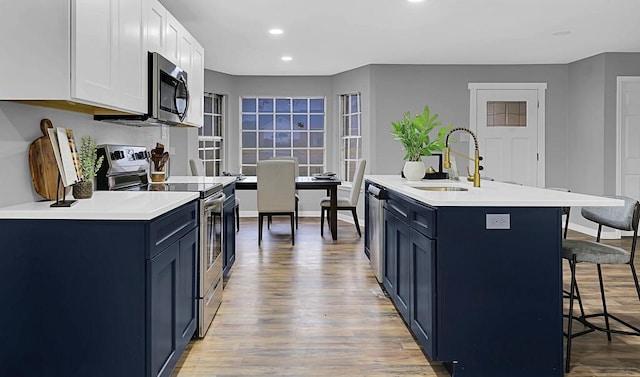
x=127, y=168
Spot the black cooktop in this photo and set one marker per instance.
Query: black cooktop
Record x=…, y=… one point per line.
x=205, y=189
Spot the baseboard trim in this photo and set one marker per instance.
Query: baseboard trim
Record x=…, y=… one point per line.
x=344, y=217
x=610, y=234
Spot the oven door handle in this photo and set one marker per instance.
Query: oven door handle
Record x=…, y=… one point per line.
x=216, y=199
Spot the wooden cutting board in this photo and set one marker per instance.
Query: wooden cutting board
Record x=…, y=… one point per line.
x=43, y=166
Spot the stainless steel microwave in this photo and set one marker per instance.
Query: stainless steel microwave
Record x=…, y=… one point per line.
x=168, y=96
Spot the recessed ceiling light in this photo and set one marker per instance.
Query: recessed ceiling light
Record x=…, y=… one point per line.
x=286, y=58
x=415, y=1
x=561, y=33
x=276, y=31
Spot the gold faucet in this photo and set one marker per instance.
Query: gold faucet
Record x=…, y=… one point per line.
x=475, y=178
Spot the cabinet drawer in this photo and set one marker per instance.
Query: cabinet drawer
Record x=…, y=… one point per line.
x=423, y=219
x=170, y=227
x=398, y=205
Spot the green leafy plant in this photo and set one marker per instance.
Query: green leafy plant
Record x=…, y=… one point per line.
x=413, y=133
x=89, y=161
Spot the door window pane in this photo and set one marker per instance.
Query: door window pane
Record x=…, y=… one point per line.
x=506, y=114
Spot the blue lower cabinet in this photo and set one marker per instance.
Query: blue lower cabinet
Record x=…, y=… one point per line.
x=485, y=302
x=97, y=298
x=423, y=291
x=229, y=230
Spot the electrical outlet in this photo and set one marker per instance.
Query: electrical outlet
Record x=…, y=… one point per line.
x=164, y=132
x=498, y=221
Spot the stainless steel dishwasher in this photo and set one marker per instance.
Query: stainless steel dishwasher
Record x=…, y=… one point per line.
x=376, y=196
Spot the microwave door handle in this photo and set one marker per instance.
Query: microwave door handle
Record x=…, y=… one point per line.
x=182, y=93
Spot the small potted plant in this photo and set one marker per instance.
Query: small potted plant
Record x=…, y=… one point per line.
x=413, y=133
x=89, y=165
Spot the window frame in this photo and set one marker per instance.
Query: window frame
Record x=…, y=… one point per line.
x=289, y=114
x=213, y=165
x=347, y=165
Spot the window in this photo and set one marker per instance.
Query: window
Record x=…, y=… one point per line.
x=350, y=135
x=506, y=114
x=283, y=126
x=210, y=136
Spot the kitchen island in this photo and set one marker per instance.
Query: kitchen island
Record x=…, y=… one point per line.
x=106, y=287
x=476, y=273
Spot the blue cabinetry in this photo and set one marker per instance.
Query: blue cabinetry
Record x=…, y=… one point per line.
x=485, y=302
x=229, y=229
x=97, y=298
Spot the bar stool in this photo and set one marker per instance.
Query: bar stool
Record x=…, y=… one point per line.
x=580, y=251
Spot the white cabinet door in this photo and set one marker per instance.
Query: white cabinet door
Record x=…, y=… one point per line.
x=93, y=49
x=196, y=85
x=156, y=25
x=107, y=50
x=130, y=66
x=172, y=39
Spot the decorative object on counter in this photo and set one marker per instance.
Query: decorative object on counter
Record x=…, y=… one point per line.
x=43, y=166
x=413, y=133
x=475, y=177
x=90, y=163
x=159, y=158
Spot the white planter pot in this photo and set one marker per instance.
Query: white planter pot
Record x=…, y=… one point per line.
x=413, y=170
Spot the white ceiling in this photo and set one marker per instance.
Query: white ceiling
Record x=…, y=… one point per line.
x=326, y=37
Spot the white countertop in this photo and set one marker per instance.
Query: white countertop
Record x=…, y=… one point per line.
x=105, y=205
x=490, y=194
x=196, y=179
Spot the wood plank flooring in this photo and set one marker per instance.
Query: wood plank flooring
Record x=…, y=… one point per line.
x=315, y=309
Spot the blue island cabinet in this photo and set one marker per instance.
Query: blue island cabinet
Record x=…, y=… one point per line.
x=97, y=297
x=485, y=302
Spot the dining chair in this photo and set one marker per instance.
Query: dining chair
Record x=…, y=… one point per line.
x=348, y=203
x=197, y=169
x=583, y=251
x=295, y=160
x=276, y=192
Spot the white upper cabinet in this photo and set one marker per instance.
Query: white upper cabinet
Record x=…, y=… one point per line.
x=156, y=24
x=172, y=33
x=89, y=52
x=166, y=36
x=108, y=53
x=197, y=85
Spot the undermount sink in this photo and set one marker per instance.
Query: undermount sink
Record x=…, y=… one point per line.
x=440, y=188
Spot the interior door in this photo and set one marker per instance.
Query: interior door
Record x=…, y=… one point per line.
x=629, y=136
x=507, y=128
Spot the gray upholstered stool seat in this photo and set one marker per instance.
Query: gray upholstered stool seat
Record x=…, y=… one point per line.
x=594, y=252
x=579, y=251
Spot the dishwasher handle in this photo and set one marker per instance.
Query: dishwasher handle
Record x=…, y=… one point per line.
x=376, y=192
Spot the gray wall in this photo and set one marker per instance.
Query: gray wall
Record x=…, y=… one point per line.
x=401, y=88
x=20, y=126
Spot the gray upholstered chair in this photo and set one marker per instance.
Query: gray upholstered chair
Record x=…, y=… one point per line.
x=295, y=160
x=581, y=251
x=276, y=192
x=345, y=203
x=197, y=169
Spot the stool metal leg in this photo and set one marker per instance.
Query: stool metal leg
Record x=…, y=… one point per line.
x=569, y=326
x=604, y=303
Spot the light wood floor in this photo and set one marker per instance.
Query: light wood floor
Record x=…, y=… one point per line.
x=315, y=309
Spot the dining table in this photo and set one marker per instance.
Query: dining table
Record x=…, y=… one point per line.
x=306, y=183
